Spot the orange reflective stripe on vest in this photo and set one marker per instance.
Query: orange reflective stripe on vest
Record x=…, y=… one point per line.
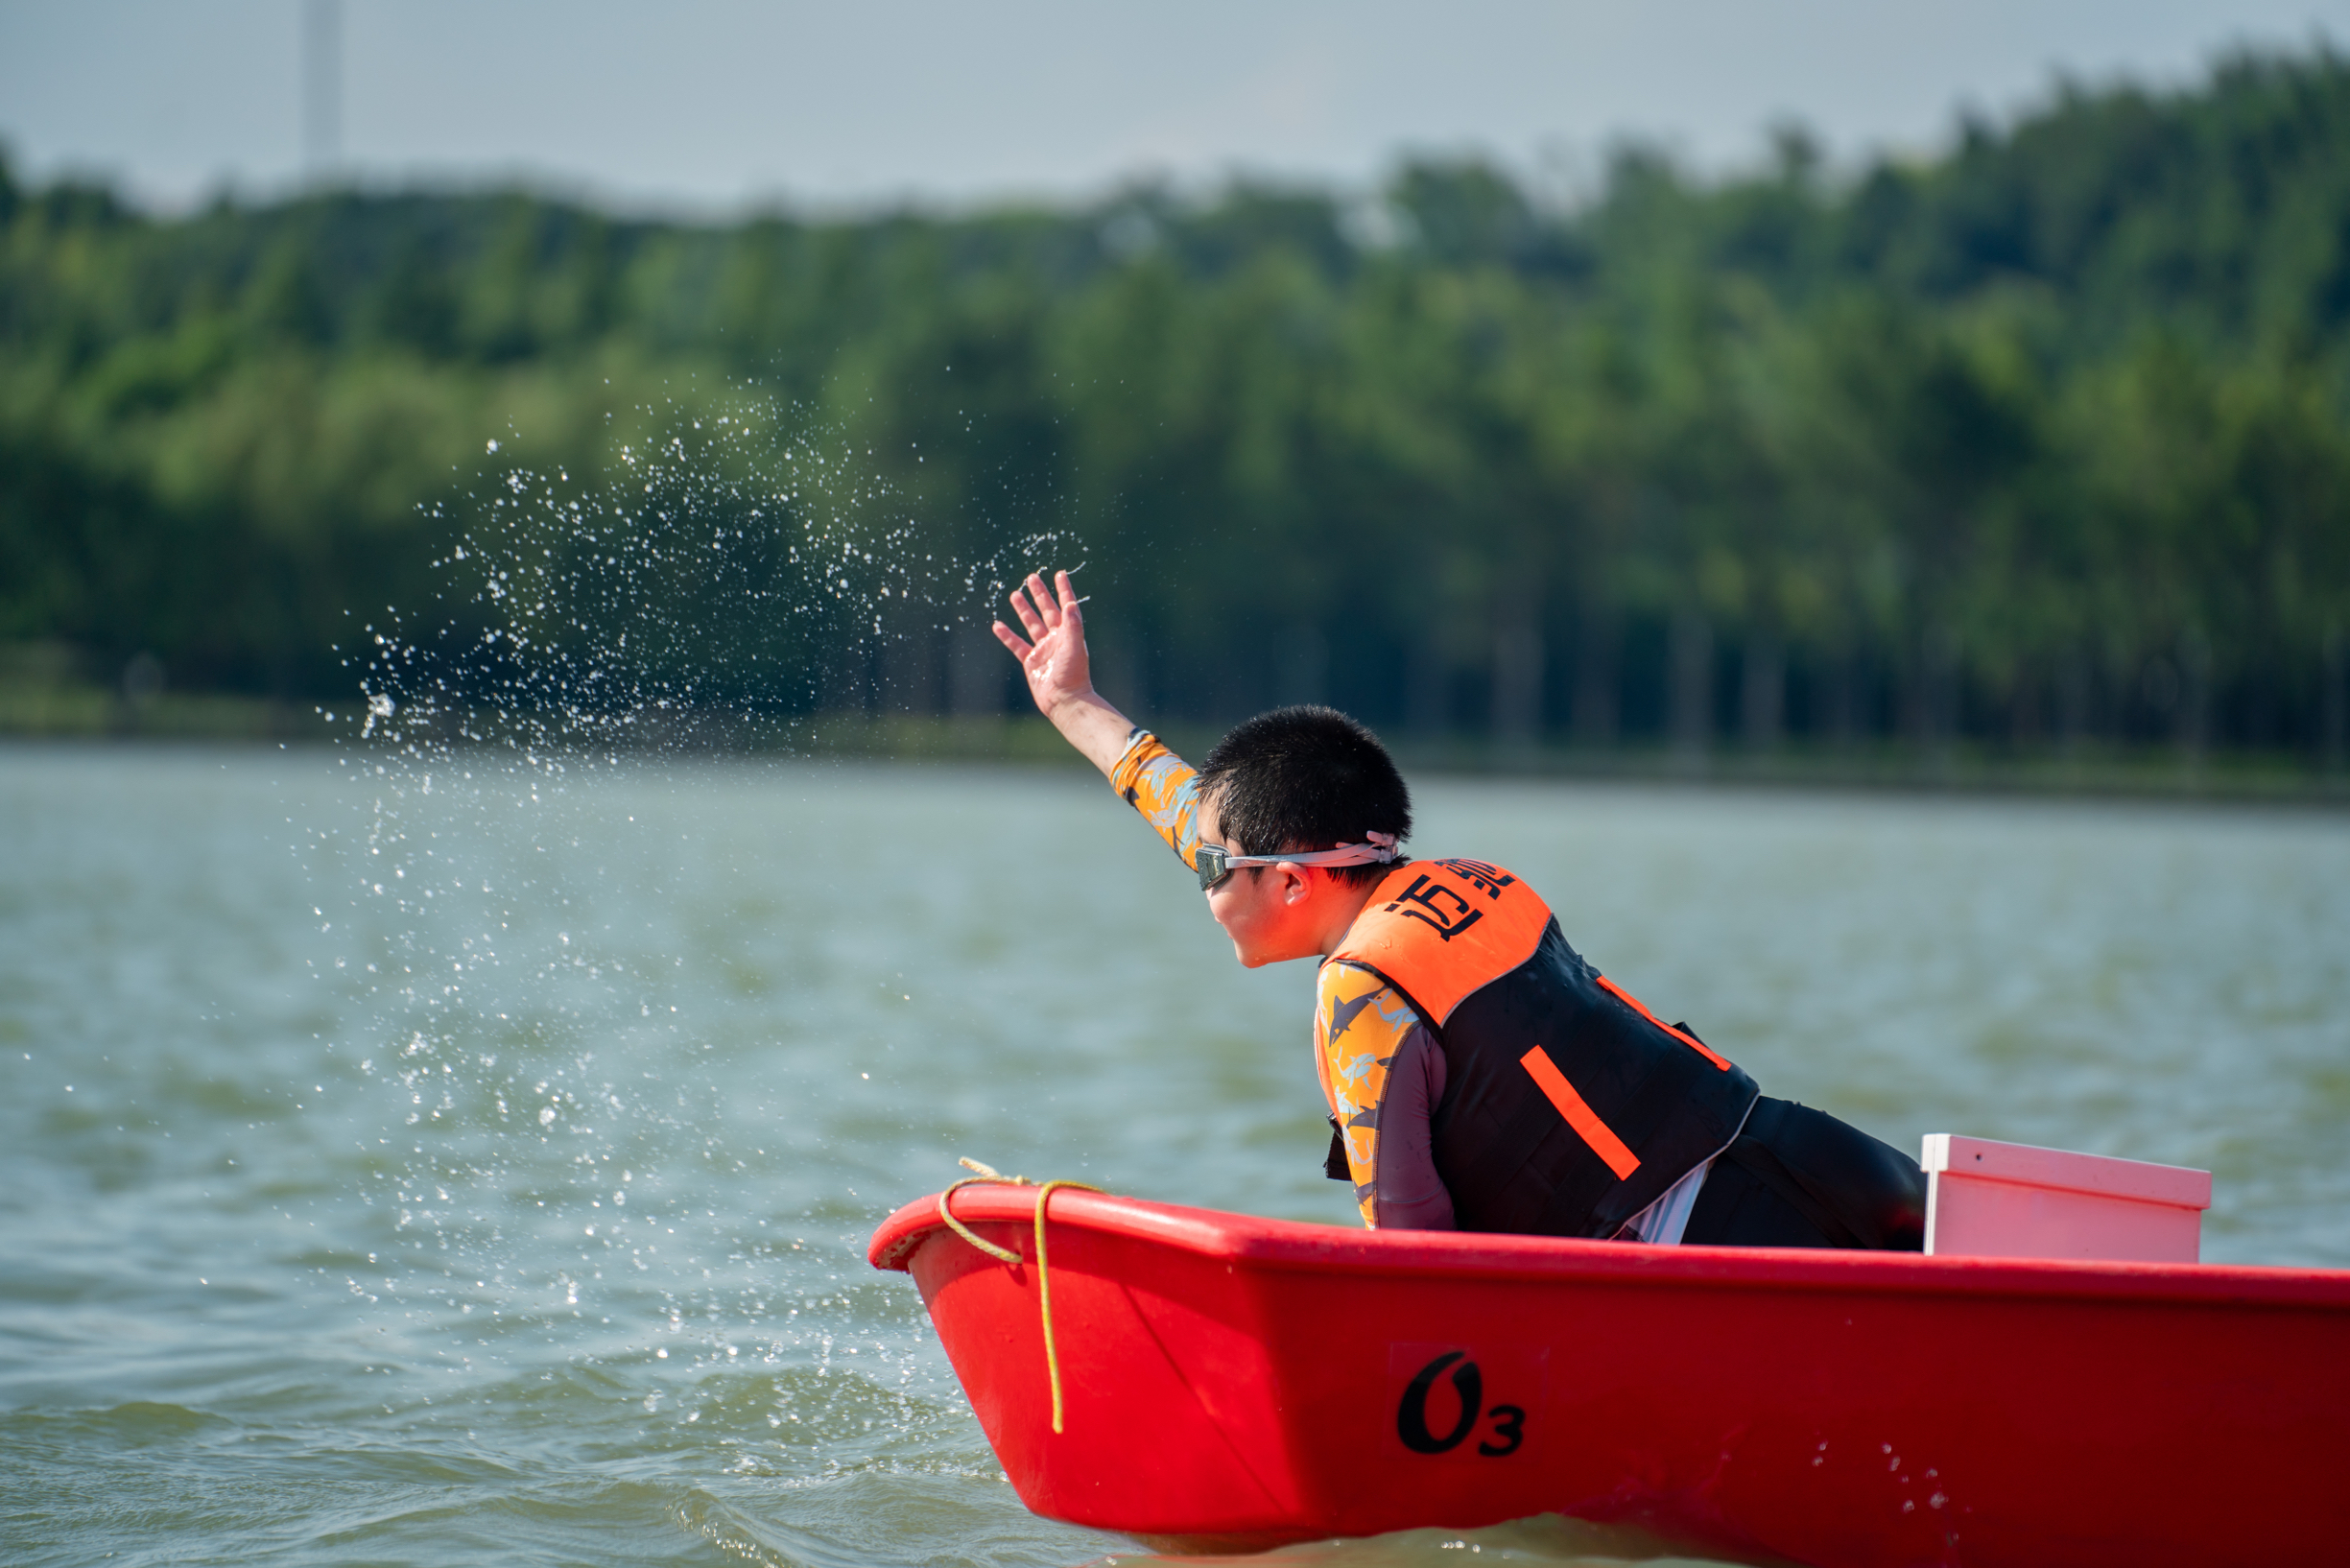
x=1487, y=922
x=1579, y=1113
x=1681, y=1034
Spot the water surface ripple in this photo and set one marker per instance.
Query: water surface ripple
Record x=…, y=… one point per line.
x=515, y=1212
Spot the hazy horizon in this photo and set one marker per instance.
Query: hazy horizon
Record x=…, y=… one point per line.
x=728, y=109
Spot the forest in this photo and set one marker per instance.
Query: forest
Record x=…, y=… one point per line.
x=2042, y=441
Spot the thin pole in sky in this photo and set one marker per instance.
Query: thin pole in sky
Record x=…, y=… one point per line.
x=322, y=87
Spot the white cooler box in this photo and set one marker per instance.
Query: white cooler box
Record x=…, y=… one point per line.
x=1987, y=1200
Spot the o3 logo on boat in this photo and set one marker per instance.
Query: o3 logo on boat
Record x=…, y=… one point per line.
x=1446, y=1399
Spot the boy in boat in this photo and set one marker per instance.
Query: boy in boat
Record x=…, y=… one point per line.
x=1480, y=1075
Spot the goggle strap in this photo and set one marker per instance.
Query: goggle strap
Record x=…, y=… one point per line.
x=1353, y=854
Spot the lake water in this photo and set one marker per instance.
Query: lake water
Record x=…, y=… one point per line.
x=471, y=1162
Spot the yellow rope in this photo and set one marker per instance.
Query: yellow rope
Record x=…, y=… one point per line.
x=1002, y=1254
x=1005, y=1254
x=1044, y=1292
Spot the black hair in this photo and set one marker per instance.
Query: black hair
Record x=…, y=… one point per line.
x=1305, y=778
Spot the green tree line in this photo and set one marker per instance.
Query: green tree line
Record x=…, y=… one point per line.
x=2039, y=441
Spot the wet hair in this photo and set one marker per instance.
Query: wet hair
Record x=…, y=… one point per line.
x=1304, y=778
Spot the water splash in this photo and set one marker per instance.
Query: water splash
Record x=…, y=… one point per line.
x=713, y=574
x=730, y=567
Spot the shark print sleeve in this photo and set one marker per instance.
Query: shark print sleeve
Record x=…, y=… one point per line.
x=1383, y=1074
x=1164, y=788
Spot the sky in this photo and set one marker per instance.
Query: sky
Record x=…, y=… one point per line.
x=723, y=106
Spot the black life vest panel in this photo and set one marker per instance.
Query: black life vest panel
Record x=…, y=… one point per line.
x=1568, y=1107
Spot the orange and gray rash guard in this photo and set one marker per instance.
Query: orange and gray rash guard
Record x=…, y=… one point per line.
x=1380, y=1068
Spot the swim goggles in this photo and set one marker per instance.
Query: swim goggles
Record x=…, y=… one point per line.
x=1214, y=862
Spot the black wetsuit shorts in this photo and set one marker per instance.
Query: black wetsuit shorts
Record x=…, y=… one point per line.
x=1797, y=1177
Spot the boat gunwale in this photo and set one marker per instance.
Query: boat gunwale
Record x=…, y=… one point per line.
x=1303, y=1247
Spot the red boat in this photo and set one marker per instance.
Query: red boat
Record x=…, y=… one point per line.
x=1233, y=1384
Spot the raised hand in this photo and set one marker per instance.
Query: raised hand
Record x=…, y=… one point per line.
x=1052, y=655
x=1060, y=674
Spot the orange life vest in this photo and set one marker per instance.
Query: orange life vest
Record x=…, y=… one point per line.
x=1568, y=1106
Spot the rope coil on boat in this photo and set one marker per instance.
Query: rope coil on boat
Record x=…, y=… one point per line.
x=989, y=1175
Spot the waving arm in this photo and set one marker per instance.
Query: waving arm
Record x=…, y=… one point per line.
x=1060, y=674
